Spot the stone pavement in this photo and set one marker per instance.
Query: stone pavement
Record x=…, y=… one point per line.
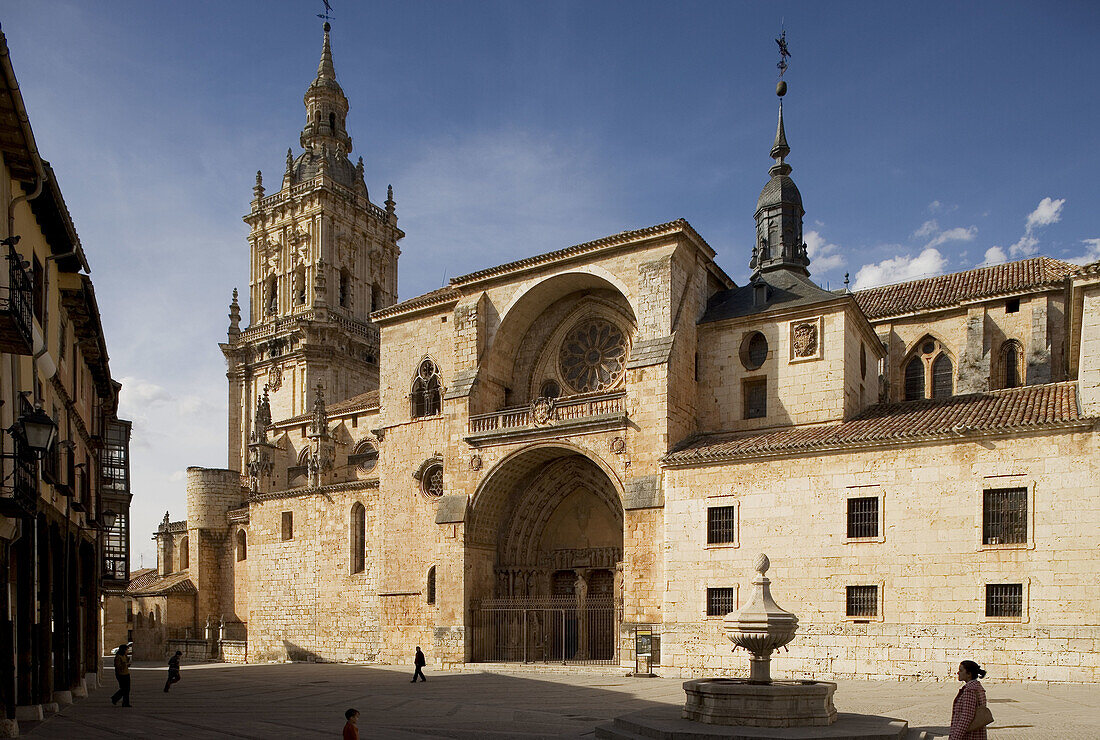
x=306, y=700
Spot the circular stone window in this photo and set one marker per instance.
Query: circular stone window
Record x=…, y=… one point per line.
x=928, y=347
x=550, y=389
x=431, y=484
x=754, y=350
x=592, y=356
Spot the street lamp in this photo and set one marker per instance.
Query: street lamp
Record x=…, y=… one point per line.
x=36, y=429
x=108, y=518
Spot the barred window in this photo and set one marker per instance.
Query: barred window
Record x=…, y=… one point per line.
x=720, y=601
x=721, y=524
x=863, y=517
x=862, y=601
x=1004, y=516
x=756, y=398
x=1004, y=599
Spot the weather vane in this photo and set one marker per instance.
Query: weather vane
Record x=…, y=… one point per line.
x=783, y=53
x=327, y=15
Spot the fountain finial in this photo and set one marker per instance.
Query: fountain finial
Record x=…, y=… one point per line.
x=761, y=564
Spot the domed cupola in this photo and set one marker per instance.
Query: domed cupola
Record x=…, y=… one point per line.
x=779, y=213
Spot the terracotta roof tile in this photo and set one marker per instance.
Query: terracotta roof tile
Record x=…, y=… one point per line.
x=1014, y=409
x=957, y=287
x=431, y=298
x=173, y=583
x=141, y=578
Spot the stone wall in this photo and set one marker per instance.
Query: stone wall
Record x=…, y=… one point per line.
x=930, y=565
x=116, y=615
x=305, y=603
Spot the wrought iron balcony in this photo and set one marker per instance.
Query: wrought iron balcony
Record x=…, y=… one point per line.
x=16, y=307
x=19, y=492
x=585, y=412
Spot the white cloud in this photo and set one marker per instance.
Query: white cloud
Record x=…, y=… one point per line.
x=1092, y=253
x=994, y=256
x=934, y=206
x=1048, y=212
x=927, y=229
x=823, y=256
x=958, y=234
x=1025, y=247
x=900, y=269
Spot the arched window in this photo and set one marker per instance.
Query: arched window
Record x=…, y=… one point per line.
x=1010, y=361
x=358, y=538
x=943, y=385
x=375, y=297
x=185, y=555
x=140, y=620
x=156, y=619
x=430, y=589
x=332, y=121
x=930, y=372
x=914, y=379
x=300, y=286
x=271, y=296
x=427, y=391
x=242, y=545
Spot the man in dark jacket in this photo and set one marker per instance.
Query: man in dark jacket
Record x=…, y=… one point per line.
x=173, y=670
x=419, y=662
x=122, y=675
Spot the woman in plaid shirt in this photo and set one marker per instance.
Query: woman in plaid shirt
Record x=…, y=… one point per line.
x=970, y=697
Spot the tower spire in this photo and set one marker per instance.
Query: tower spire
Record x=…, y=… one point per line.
x=325, y=69
x=779, y=209
x=326, y=109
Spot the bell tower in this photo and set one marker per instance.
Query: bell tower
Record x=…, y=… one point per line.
x=323, y=257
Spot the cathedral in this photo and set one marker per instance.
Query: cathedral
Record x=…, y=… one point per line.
x=576, y=457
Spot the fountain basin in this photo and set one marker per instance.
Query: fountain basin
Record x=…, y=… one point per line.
x=737, y=701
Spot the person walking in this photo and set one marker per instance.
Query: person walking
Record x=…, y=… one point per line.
x=419, y=662
x=351, y=727
x=968, y=702
x=173, y=670
x=122, y=675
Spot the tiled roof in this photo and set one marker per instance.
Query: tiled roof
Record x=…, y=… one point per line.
x=957, y=287
x=141, y=578
x=173, y=583
x=363, y=402
x=1025, y=408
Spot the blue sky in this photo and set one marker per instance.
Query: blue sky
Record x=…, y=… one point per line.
x=926, y=138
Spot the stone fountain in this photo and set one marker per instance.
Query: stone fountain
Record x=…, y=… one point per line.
x=761, y=627
x=755, y=708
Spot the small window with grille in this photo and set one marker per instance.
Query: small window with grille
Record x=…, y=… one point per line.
x=756, y=398
x=862, y=602
x=721, y=525
x=1004, y=600
x=721, y=601
x=863, y=517
x=1004, y=516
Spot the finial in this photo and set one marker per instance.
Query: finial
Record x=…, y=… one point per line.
x=761, y=564
x=289, y=159
x=325, y=69
x=234, y=295
x=327, y=27
x=390, y=203
x=258, y=188
x=845, y=281
x=359, y=168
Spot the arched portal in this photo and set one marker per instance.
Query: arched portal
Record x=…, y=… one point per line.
x=544, y=547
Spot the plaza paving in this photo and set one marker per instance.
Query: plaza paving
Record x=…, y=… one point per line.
x=305, y=700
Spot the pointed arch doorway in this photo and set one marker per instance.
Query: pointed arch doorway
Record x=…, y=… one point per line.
x=544, y=548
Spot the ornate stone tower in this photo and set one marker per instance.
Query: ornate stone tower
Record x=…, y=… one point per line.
x=322, y=258
x=779, y=214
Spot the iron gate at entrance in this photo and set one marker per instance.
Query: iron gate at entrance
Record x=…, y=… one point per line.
x=547, y=630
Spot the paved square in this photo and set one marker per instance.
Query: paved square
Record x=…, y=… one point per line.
x=305, y=700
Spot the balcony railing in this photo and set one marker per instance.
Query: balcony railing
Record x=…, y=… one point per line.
x=15, y=307
x=19, y=492
x=550, y=412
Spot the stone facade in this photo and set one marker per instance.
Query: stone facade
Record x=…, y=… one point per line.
x=617, y=429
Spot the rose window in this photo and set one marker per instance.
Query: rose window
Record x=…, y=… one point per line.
x=592, y=355
x=433, y=481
